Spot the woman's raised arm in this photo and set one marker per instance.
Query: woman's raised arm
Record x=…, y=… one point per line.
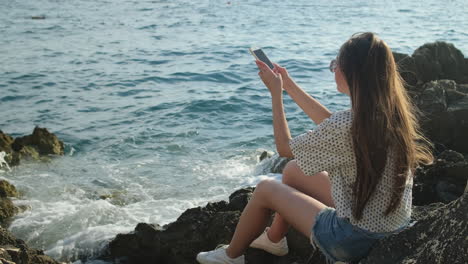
x=313, y=108
x=274, y=83
x=280, y=126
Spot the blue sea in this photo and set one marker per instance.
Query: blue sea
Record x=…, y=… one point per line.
x=159, y=103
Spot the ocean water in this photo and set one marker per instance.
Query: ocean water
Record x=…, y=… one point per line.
x=159, y=103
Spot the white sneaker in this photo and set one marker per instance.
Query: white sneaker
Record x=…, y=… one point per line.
x=263, y=242
x=218, y=256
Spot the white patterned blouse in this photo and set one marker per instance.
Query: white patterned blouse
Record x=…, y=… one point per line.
x=329, y=148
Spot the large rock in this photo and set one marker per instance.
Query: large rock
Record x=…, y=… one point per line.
x=433, y=97
x=433, y=61
x=443, y=181
x=271, y=163
x=449, y=127
x=203, y=228
x=197, y=229
x=407, y=68
x=7, y=189
x=200, y=229
x=5, y=142
x=444, y=112
x=440, y=60
x=436, y=77
x=12, y=158
x=437, y=238
x=7, y=210
x=45, y=142
x=439, y=96
x=36, y=146
x=16, y=251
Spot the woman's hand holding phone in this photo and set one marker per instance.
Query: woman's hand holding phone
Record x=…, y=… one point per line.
x=287, y=81
x=272, y=80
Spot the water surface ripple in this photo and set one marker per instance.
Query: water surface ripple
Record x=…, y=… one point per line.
x=159, y=102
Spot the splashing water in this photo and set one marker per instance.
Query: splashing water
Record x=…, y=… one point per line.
x=3, y=162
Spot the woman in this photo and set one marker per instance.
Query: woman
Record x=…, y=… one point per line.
x=351, y=178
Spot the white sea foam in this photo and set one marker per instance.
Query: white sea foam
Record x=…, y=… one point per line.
x=3, y=163
x=69, y=219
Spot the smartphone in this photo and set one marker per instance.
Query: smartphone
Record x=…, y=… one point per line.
x=260, y=55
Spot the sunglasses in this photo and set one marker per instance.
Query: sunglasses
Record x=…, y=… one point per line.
x=333, y=65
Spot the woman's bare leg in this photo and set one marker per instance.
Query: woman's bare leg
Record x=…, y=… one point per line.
x=296, y=208
x=317, y=186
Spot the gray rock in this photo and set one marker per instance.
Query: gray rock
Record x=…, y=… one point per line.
x=199, y=229
x=433, y=98
x=432, y=61
x=265, y=154
x=278, y=163
x=443, y=181
x=37, y=146
x=444, y=111
x=440, y=60
x=437, y=238
x=45, y=142
x=449, y=128
x=7, y=210
x=239, y=199
x=202, y=228
x=16, y=251
x=451, y=156
x=6, y=140
x=7, y=189
x=406, y=68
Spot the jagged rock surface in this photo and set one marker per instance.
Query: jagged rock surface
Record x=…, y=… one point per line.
x=443, y=181
x=200, y=229
x=16, y=251
x=436, y=77
x=39, y=144
x=433, y=61
x=7, y=209
x=439, y=237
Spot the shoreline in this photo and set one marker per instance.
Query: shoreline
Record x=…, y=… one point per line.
x=443, y=100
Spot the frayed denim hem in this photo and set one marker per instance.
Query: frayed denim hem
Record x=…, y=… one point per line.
x=340, y=241
x=315, y=243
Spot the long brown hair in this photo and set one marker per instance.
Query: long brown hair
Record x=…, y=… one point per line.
x=384, y=119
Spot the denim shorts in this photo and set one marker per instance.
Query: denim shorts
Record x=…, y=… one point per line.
x=339, y=240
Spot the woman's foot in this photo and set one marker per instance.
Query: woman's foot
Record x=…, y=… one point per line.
x=263, y=242
x=218, y=256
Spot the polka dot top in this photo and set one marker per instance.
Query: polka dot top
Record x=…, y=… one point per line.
x=329, y=148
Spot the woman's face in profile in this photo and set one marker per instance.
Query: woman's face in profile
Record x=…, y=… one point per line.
x=341, y=83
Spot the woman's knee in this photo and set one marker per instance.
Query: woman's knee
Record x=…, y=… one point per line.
x=290, y=172
x=265, y=187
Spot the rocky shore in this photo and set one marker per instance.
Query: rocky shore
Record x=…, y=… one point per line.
x=436, y=76
x=40, y=145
